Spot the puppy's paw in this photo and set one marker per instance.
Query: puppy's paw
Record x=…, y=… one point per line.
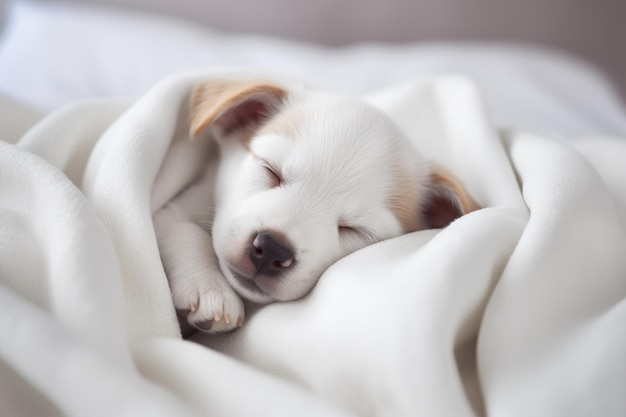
x=213, y=307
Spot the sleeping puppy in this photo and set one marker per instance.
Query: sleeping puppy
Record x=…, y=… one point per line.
x=302, y=179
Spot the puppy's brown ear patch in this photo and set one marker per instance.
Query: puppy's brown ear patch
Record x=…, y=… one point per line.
x=446, y=199
x=233, y=105
x=404, y=201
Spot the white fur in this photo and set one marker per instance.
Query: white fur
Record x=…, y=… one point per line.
x=339, y=169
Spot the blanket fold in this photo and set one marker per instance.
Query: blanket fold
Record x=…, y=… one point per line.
x=515, y=309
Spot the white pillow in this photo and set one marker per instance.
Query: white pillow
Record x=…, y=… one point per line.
x=54, y=53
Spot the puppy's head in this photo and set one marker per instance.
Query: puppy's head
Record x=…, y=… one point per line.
x=306, y=178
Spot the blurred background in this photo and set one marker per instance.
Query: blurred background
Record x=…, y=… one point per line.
x=545, y=65
x=593, y=30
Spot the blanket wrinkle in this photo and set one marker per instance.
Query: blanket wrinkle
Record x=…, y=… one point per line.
x=563, y=257
x=515, y=309
x=74, y=131
x=49, y=223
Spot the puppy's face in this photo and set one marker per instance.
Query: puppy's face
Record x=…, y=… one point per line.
x=306, y=178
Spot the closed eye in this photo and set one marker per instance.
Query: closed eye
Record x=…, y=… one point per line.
x=360, y=233
x=275, y=179
x=346, y=229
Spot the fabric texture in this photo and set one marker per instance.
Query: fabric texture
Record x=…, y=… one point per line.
x=513, y=310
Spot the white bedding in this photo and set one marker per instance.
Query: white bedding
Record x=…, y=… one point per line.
x=513, y=310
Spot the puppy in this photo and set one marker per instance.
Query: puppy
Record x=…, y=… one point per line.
x=302, y=179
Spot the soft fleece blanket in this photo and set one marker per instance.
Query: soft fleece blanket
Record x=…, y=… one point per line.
x=514, y=310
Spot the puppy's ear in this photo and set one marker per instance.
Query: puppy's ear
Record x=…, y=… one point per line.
x=446, y=199
x=233, y=106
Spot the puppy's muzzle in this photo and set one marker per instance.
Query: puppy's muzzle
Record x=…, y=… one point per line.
x=270, y=254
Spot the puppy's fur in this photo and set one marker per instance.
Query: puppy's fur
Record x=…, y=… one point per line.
x=302, y=179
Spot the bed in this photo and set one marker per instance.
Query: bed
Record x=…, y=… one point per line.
x=516, y=309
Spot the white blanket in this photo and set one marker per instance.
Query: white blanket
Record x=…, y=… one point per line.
x=513, y=310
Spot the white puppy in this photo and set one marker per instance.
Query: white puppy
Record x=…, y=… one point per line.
x=302, y=179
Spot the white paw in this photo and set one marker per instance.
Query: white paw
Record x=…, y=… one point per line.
x=210, y=305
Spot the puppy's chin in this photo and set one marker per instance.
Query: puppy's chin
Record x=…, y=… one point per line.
x=246, y=287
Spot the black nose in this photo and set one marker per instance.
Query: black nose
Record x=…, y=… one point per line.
x=269, y=255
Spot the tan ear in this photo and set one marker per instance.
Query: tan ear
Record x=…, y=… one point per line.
x=232, y=105
x=446, y=199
